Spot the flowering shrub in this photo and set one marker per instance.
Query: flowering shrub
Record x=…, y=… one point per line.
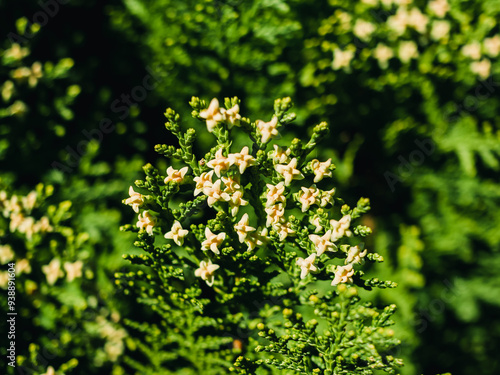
x=249, y=240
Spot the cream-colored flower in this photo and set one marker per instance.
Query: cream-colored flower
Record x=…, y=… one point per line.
x=23, y=266
x=283, y=230
x=35, y=74
x=50, y=371
x=279, y=156
x=363, y=29
x=289, y=172
x=206, y=271
x=220, y=163
x=16, y=52
x=136, y=199
x=53, y=271
x=267, y=129
x=42, y=225
x=175, y=175
x=341, y=59
x=440, y=30
x=147, y=222
x=472, y=50
x=213, y=241
x=274, y=214
x=407, y=51
x=340, y=228
x=203, y=181
x=232, y=116
x=399, y=21
x=315, y=220
x=383, y=54
x=275, y=194
x=307, y=265
x=321, y=170
x=418, y=20
x=7, y=90
x=236, y=200
x=492, y=45
x=326, y=197
x=256, y=239
x=73, y=270
x=231, y=183
x=356, y=254
x=6, y=254
x=27, y=226
x=4, y=279
x=343, y=274
x=29, y=201
x=176, y=233
x=439, y=7
x=242, y=159
x=481, y=68
x=322, y=243
x=308, y=197
x=212, y=115
x=215, y=194
x=243, y=228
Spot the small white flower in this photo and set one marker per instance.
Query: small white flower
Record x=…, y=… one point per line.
x=439, y=7
x=136, y=200
x=363, y=29
x=6, y=254
x=307, y=265
x=50, y=371
x=440, y=30
x=481, y=68
x=399, y=21
x=326, y=197
x=355, y=254
x=341, y=59
x=308, y=197
x=23, y=266
x=289, y=172
x=52, y=271
x=175, y=175
x=220, y=163
x=243, y=228
x=232, y=116
x=267, y=129
x=383, y=54
x=177, y=234
x=343, y=274
x=214, y=193
x=407, y=51
x=146, y=221
x=256, y=239
x=492, y=45
x=340, y=228
x=418, y=20
x=242, y=159
x=315, y=220
x=212, y=115
x=321, y=170
x=279, y=156
x=213, y=241
x=283, y=230
x=274, y=214
x=232, y=184
x=275, y=194
x=206, y=271
x=203, y=181
x=472, y=50
x=73, y=270
x=235, y=201
x=323, y=243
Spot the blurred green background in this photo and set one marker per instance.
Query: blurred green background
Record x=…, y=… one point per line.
x=410, y=88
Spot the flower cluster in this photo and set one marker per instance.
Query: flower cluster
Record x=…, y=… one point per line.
x=239, y=217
